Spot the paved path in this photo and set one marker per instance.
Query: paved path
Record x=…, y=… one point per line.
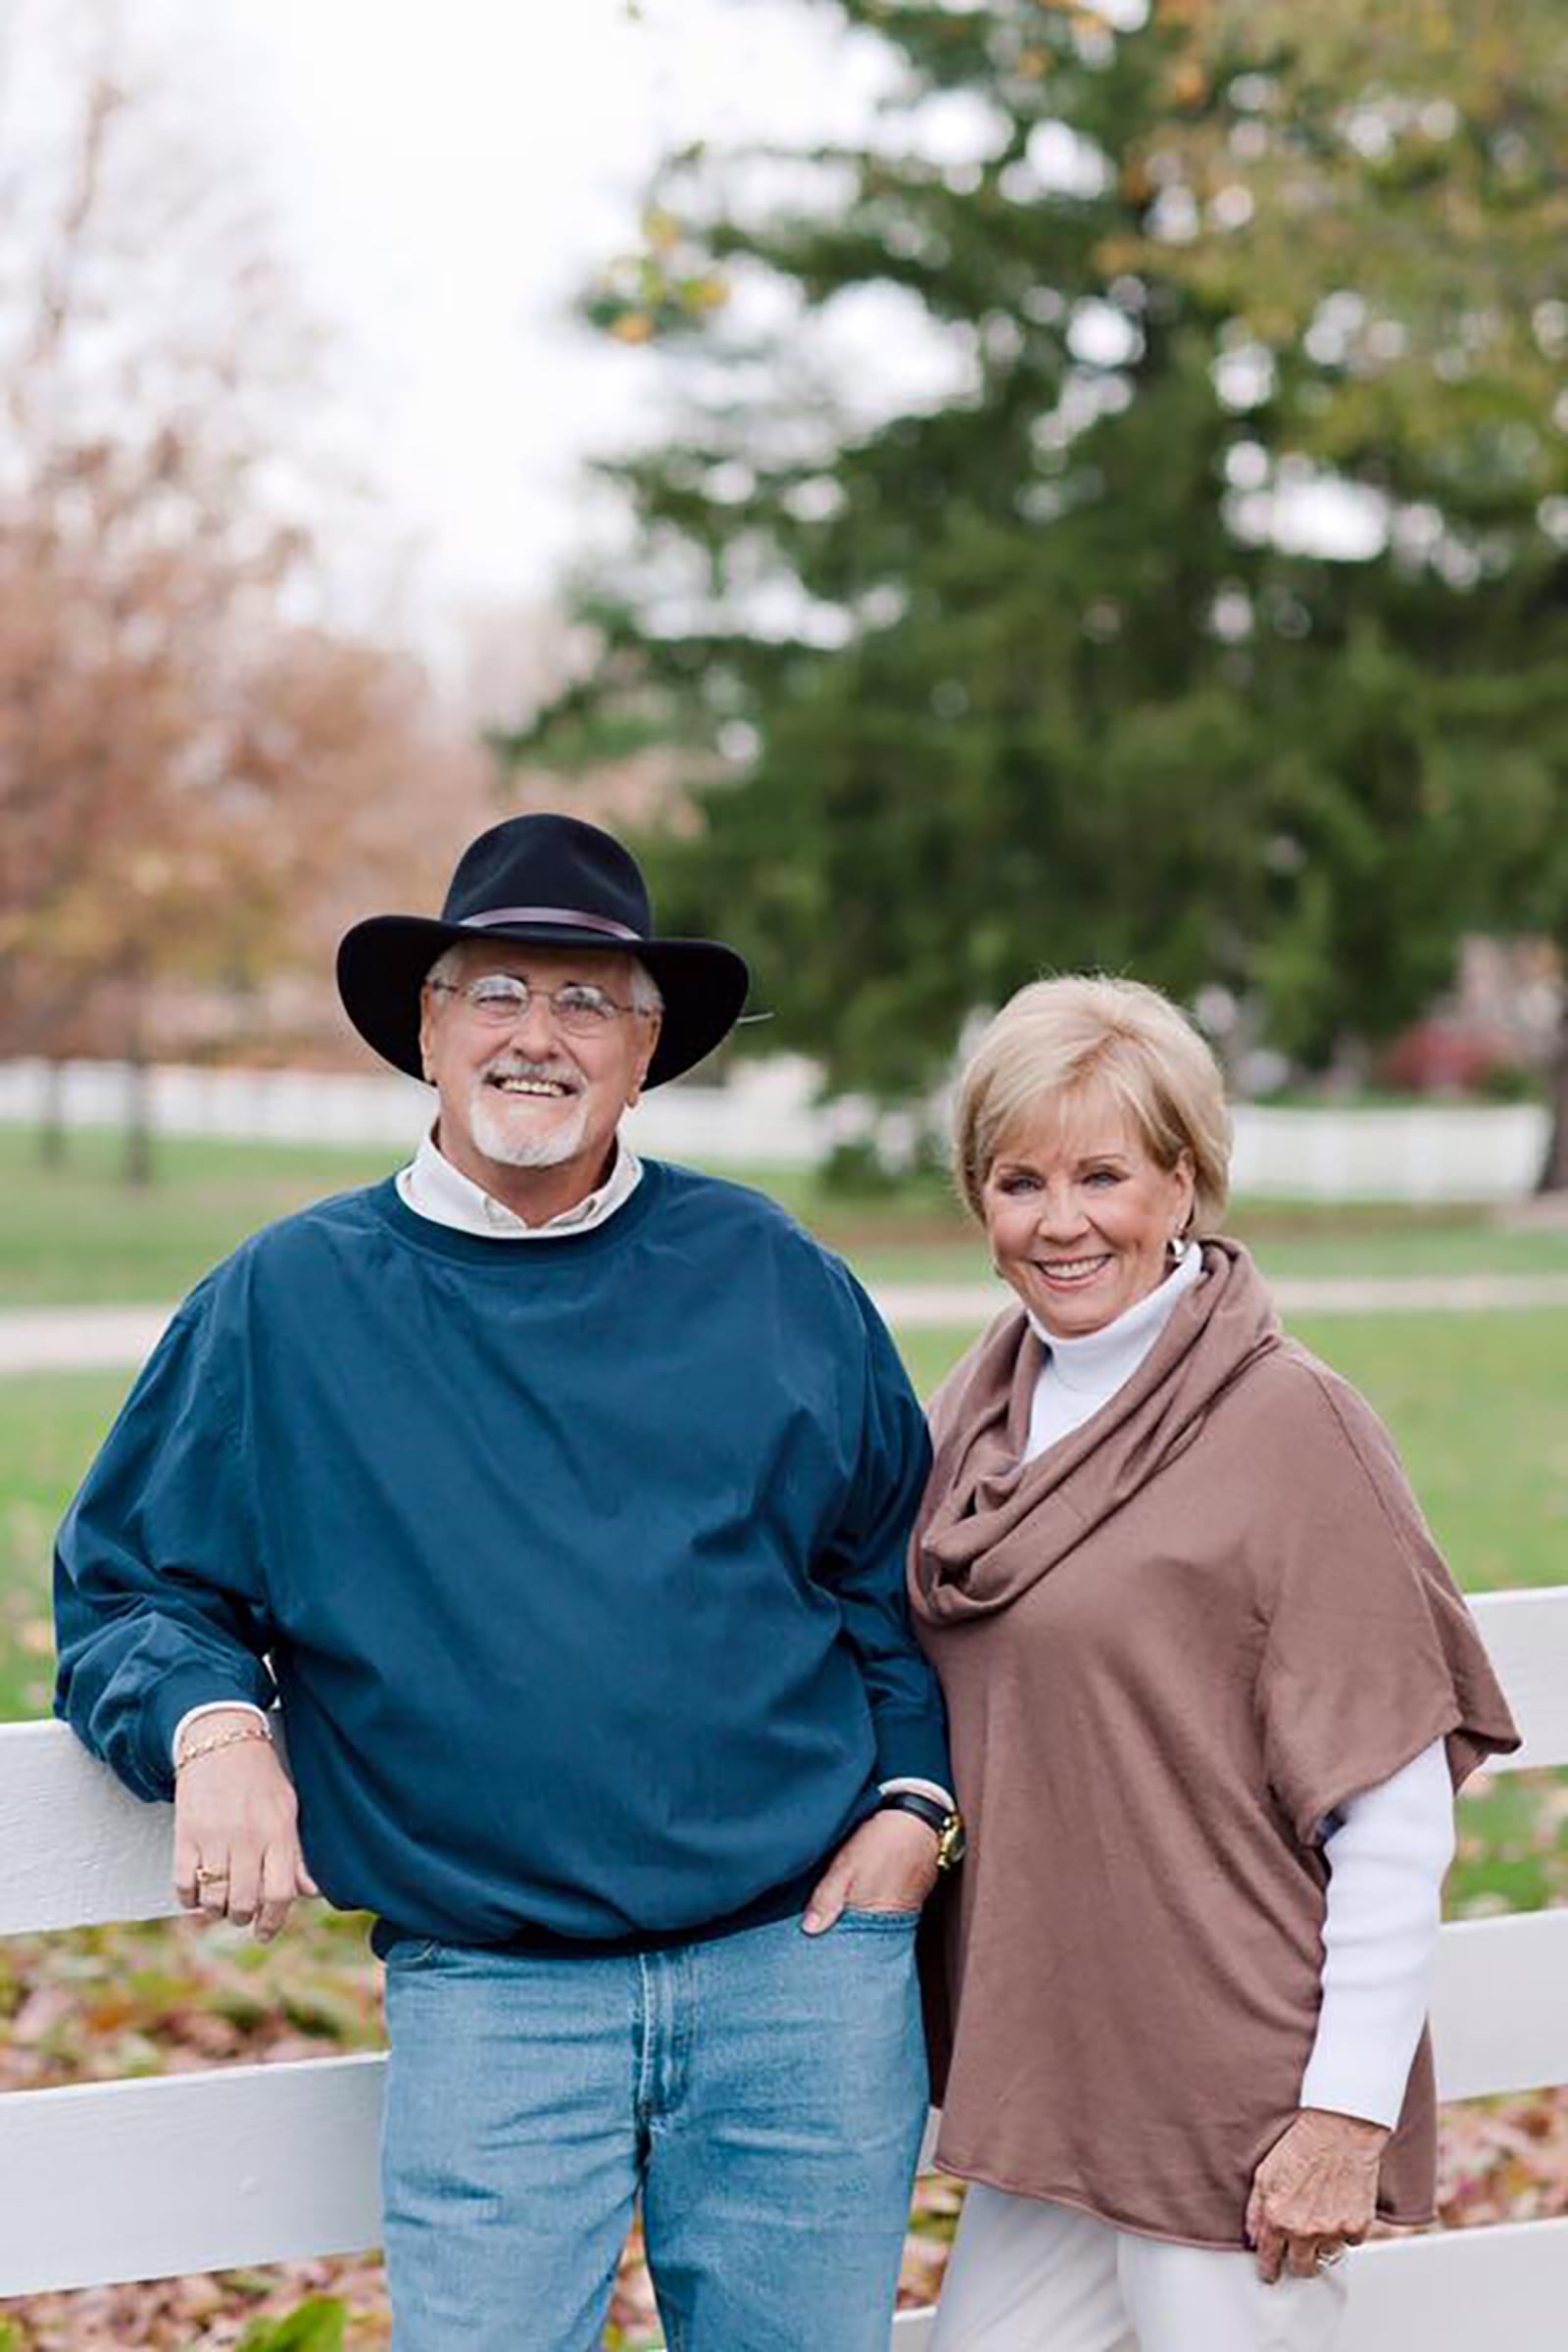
x=117, y=1338
x=79, y=1339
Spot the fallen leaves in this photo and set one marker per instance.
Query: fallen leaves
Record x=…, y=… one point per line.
x=1503, y=2160
x=181, y=1995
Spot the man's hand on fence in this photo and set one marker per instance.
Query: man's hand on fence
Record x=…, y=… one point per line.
x=237, y=1841
x=888, y=1864
x=1314, y=2193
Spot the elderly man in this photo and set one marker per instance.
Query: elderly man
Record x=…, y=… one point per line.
x=560, y=1499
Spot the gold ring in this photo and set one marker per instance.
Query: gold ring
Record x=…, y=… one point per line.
x=212, y=1878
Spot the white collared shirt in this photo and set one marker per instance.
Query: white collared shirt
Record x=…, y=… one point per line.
x=433, y=1188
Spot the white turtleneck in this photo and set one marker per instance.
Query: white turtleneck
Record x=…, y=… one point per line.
x=1387, y=1849
x=1080, y=1375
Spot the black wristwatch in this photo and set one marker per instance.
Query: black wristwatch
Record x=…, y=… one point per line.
x=948, y=1824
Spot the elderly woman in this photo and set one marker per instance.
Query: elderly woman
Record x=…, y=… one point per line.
x=1212, y=1687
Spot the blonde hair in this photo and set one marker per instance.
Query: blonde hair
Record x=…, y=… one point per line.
x=1057, y=1038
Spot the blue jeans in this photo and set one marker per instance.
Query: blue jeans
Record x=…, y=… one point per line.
x=763, y=2094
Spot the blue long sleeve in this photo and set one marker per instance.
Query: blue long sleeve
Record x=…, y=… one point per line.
x=866, y=1560
x=580, y=1571
x=158, y=1593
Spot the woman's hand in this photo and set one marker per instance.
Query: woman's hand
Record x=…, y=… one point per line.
x=236, y=1844
x=1314, y=2193
x=888, y=1864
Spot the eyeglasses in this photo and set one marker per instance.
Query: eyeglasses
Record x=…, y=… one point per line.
x=500, y=1000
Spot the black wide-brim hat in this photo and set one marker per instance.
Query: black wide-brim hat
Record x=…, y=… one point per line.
x=550, y=882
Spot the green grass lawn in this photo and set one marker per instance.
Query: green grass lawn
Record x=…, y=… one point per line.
x=1349, y=1243
x=1479, y=1407
x=75, y=1234
x=49, y=1431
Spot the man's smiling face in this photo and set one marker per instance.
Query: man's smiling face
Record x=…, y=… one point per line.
x=524, y=1094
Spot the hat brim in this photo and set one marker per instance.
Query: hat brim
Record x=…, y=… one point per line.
x=382, y=962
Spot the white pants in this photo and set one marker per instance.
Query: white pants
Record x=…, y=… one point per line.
x=1029, y=2276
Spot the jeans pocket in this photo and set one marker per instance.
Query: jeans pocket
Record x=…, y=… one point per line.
x=408, y=1952
x=856, y=1916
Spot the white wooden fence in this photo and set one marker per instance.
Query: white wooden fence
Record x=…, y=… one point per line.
x=253, y=2164
x=768, y=1114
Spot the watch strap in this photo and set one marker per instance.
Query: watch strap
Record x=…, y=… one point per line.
x=948, y=1824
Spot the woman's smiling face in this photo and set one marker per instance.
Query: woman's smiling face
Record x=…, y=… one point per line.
x=1078, y=1214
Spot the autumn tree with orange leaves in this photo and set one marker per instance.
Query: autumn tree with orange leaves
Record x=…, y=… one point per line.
x=189, y=755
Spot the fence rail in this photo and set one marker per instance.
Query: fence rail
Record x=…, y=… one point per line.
x=767, y=1117
x=253, y=2164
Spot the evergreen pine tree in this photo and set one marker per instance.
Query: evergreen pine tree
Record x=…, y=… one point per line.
x=1002, y=681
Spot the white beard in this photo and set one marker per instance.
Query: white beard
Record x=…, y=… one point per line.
x=500, y=1125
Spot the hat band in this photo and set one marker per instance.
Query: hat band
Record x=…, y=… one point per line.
x=572, y=916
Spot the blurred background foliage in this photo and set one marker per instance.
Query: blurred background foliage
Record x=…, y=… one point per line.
x=1209, y=619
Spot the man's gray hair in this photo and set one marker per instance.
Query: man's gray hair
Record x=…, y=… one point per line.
x=645, y=993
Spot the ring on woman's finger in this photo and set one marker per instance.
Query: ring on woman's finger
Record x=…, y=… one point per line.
x=1330, y=2253
x=212, y=1878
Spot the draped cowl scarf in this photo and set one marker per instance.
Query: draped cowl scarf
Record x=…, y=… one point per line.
x=1170, y=1645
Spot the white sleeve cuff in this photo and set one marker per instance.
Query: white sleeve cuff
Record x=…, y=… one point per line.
x=1386, y=1852
x=212, y=1706
x=918, y=1788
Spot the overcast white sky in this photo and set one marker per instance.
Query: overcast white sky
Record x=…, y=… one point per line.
x=446, y=173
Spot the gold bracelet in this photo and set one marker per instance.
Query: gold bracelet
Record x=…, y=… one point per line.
x=229, y=1739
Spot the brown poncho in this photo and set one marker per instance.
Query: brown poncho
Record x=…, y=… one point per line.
x=1170, y=1645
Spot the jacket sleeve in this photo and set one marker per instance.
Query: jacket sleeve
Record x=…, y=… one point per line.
x=865, y=1562
x=159, y=1594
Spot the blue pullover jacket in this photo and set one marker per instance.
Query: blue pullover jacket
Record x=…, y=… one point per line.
x=579, y=1571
